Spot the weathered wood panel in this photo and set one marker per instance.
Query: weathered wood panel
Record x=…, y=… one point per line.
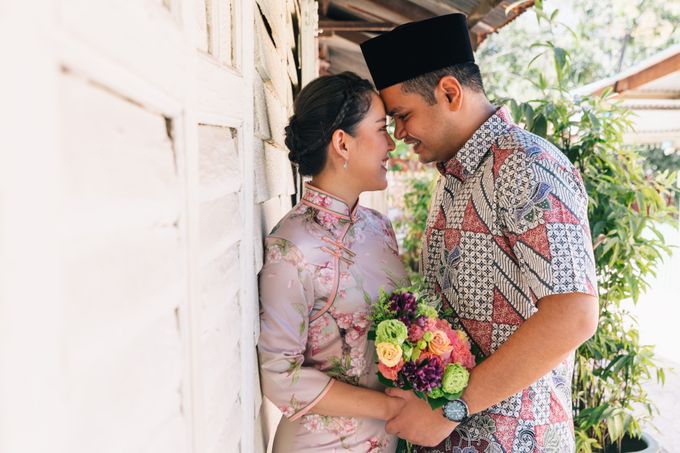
x=218, y=163
x=122, y=272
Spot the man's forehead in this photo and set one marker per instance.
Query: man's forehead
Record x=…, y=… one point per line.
x=393, y=97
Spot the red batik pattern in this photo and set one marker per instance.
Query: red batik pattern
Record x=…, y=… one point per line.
x=508, y=226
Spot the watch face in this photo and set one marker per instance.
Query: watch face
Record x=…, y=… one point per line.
x=455, y=410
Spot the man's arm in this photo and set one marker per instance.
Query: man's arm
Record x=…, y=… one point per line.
x=560, y=325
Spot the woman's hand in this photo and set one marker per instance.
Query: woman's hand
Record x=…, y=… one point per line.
x=393, y=407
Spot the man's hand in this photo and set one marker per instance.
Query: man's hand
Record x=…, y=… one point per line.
x=417, y=422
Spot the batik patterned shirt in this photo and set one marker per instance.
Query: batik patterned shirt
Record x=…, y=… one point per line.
x=508, y=226
x=324, y=267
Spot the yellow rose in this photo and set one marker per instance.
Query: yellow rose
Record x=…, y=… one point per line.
x=440, y=343
x=461, y=335
x=389, y=354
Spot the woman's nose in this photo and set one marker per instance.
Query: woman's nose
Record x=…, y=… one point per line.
x=390, y=143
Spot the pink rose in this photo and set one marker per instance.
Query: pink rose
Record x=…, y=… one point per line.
x=430, y=325
x=415, y=333
x=444, y=325
x=390, y=372
x=461, y=354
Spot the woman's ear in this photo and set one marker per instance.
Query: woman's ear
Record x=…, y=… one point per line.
x=339, y=141
x=451, y=91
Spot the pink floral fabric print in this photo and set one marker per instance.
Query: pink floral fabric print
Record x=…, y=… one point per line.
x=324, y=267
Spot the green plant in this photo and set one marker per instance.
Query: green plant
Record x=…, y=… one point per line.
x=413, y=223
x=626, y=208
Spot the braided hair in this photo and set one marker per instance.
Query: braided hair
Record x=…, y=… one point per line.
x=325, y=105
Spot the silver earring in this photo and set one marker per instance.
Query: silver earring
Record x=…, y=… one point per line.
x=345, y=165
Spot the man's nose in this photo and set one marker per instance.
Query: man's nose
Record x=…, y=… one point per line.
x=399, y=130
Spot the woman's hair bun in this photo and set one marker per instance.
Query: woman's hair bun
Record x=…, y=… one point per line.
x=326, y=104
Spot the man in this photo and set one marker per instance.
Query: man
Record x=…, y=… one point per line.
x=507, y=247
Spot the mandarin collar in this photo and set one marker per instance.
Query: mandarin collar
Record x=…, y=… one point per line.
x=328, y=203
x=471, y=155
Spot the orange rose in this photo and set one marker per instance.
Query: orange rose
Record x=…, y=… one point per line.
x=440, y=343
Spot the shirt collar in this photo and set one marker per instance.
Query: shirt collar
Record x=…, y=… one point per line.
x=470, y=156
x=328, y=203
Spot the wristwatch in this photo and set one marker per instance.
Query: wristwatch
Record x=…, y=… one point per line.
x=456, y=410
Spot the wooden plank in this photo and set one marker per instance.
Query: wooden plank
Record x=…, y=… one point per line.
x=202, y=35
x=308, y=51
x=119, y=173
x=271, y=63
x=353, y=37
x=262, y=193
x=32, y=324
x=278, y=112
x=323, y=7
x=224, y=31
x=483, y=8
x=411, y=10
x=219, y=92
x=221, y=225
x=279, y=21
x=261, y=121
x=278, y=170
x=142, y=37
x=122, y=273
x=653, y=72
x=368, y=11
x=354, y=25
x=219, y=172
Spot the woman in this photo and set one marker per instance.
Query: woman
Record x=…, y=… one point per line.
x=325, y=264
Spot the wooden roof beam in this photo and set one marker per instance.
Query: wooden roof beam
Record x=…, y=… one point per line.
x=481, y=10
x=404, y=8
x=653, y=72
x=329, y=25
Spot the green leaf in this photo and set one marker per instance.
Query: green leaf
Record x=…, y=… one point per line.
x=540, y=125
x=384, y=381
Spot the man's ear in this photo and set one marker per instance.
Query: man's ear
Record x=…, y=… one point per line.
x=451, y=91
x=338, y=146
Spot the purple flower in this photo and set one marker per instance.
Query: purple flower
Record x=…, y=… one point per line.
x=421, y=321
x=423, y=376
x=404, y=305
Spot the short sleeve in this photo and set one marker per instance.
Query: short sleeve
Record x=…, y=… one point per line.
x=543, y=212
x=286, y=294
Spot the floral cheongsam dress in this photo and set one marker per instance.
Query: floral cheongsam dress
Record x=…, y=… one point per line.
x=324, y=267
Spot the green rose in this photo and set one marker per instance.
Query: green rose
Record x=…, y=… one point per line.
x=391, y=331
x=426, y=310
x=455, y=378
x=427, y=336
x=436, y=393
x=422, y=345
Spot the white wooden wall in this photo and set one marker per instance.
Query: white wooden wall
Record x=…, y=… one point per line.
x=284, y=63
x=134, y=167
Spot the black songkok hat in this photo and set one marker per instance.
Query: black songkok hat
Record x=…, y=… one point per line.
x=416, y=48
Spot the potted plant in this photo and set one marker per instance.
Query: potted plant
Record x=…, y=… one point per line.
x=626, y=208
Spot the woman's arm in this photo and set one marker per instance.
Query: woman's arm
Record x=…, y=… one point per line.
x=346, y=400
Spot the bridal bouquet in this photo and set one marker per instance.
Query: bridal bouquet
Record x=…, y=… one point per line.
x=418, y=350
